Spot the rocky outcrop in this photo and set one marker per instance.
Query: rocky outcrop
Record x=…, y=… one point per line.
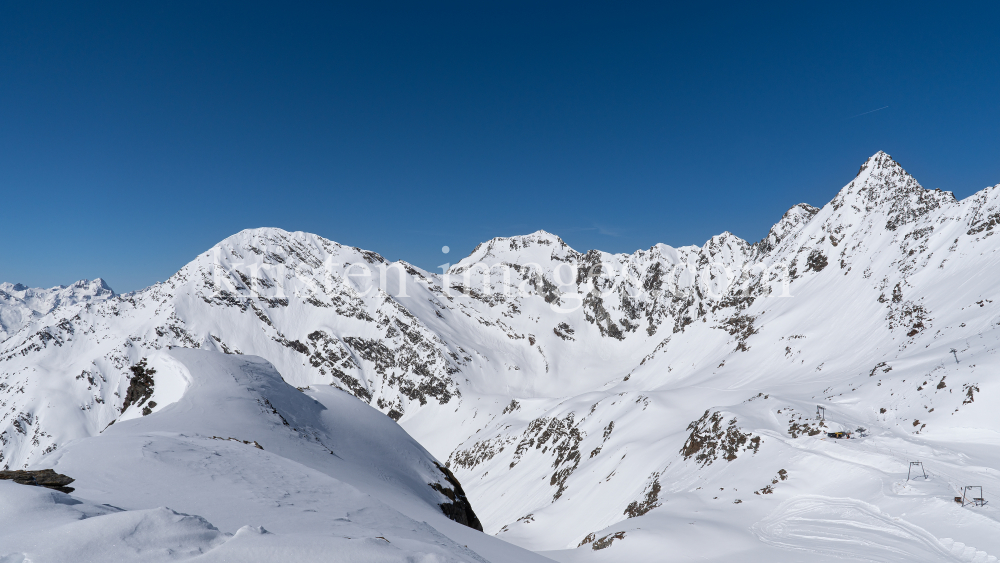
x=41, y=478
x=140, y=388
x=459, y=509
x=712, y=439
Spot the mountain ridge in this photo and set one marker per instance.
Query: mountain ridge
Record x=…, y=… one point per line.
x=597, y=395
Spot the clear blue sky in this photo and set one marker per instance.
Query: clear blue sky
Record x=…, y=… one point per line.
x=134, y=135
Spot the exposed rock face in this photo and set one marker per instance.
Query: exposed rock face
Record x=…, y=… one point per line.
x=602, y=542
x=711, y=439
x=459, y=509
x=650, y=501
x=42, y=478
x=140, y=387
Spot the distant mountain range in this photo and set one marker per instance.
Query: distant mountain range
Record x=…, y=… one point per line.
x=659, y=405
x=20, y=305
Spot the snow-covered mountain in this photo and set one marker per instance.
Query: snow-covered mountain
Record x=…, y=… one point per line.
x=20, y=305
x=602, y=406
x=251, y=469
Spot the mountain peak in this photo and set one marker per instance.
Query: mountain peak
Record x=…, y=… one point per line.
x=539, y=246
x=95, y=287
x=103, y=284
x=879, y=160
x=259, y=233
x=274, y=245
x=725, y=237
x=538, y=237
x=884, y=188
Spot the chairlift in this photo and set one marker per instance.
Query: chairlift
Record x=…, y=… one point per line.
x=918, y=464
x=820, y=412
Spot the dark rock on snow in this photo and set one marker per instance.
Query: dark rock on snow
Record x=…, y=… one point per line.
x=42, y=478
x=459, y=509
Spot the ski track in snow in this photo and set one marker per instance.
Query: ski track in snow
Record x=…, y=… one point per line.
x=853, y=529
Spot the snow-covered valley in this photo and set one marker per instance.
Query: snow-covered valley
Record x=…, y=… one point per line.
x=660, y=405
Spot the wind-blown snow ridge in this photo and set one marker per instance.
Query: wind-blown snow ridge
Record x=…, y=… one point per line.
x=602, y=406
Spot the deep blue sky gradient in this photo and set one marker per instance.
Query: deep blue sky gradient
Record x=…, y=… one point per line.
x=134, y=135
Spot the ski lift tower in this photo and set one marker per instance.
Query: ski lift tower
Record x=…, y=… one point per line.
x=820, y=412
x=969, y=496
x=919, y=465
x=954, y=353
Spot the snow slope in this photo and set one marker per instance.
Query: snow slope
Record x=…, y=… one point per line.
x=273, y=473
x=612, y=406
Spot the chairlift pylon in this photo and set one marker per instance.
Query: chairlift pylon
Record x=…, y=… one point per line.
x=919, y=464
x=973, y=500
